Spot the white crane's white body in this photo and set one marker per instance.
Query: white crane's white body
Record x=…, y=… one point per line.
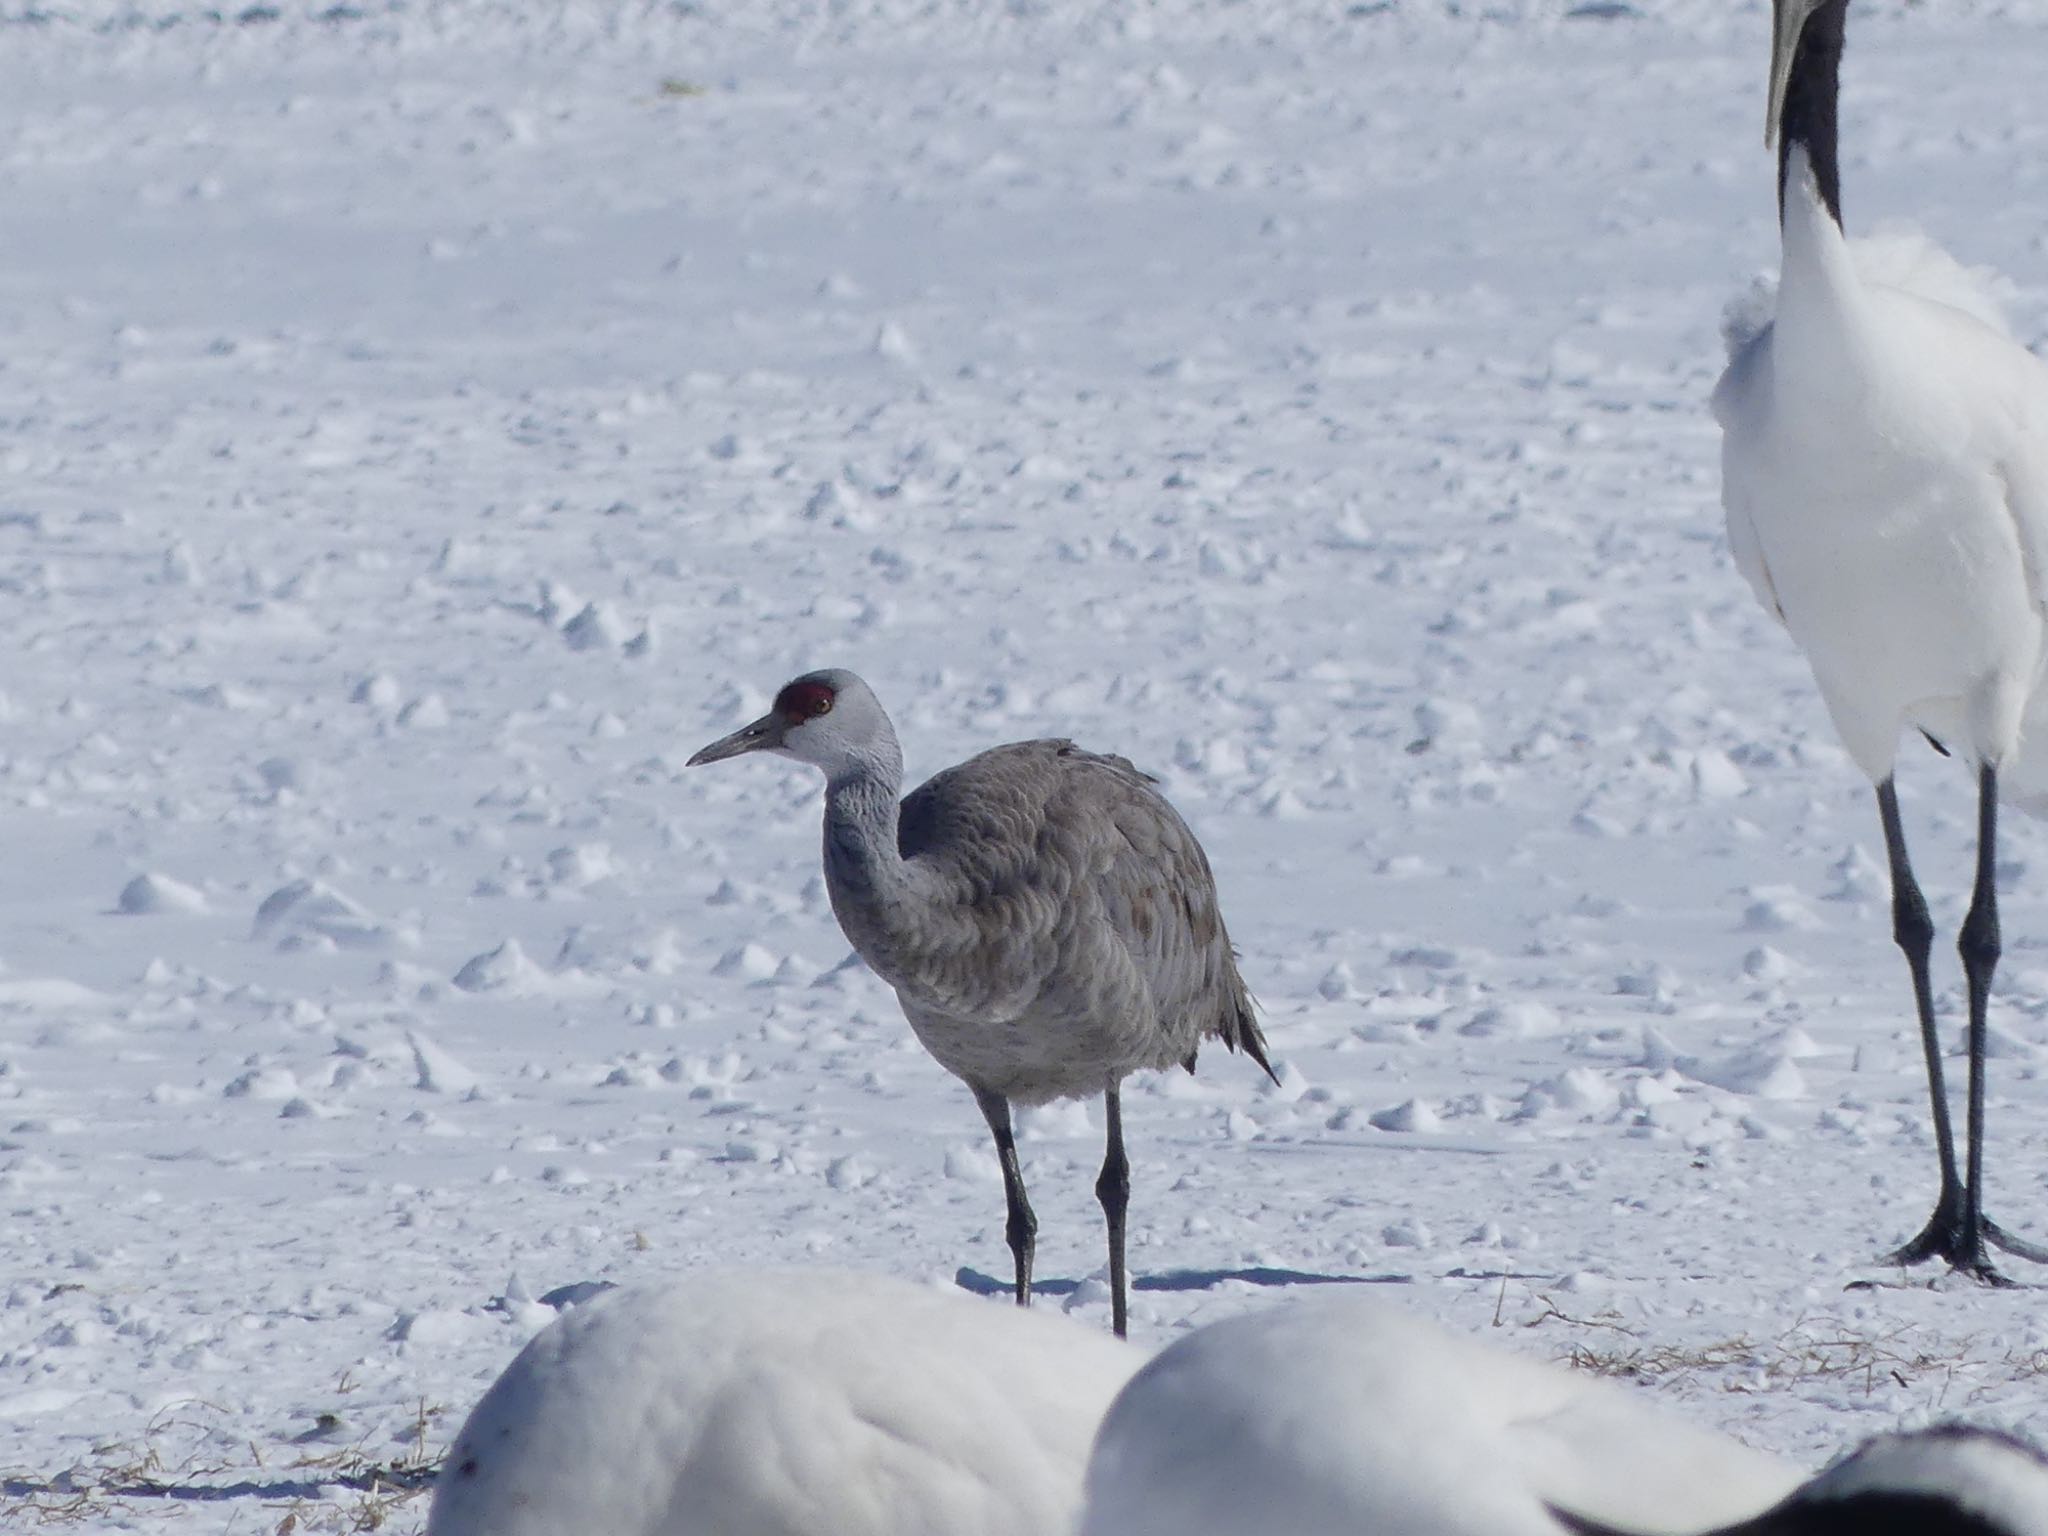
x=817, y=1403
x=1885, y=477
x=1344, y=1415
x=1885, y=474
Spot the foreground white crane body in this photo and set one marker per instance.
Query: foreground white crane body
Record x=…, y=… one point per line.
x=1344, y=1415
x=1341, y=1414
x=1047, y=919
x=1885, y=476
x=784, y=1404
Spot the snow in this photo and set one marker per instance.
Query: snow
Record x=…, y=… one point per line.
x=1307, y=402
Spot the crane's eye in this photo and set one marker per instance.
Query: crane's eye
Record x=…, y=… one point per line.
x=803, y=701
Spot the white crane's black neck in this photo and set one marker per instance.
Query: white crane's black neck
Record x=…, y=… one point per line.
x=1807, y=115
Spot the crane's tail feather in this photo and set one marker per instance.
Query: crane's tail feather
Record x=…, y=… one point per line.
x=1242, y=1033
x=1748, y=315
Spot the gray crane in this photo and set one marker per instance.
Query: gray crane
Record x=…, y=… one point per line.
x=1048, y=921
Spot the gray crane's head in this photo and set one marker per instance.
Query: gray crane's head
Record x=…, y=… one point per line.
x=830, y=719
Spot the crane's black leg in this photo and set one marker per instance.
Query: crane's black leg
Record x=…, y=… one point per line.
x=1980, y=949
x=1022, y=1227
x=1913, y=931
x=1113, y=1189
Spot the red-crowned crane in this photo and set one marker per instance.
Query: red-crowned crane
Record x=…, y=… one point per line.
x=1885, y=475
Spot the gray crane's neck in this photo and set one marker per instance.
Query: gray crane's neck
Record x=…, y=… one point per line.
x=861, y=812
x=873, y=890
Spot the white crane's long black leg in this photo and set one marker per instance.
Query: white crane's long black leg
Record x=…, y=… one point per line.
x=1022, y=1226
x=1913, y=931
x=1113, y=1189
x=1980, y=949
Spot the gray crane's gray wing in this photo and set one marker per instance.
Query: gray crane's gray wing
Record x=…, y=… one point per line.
x=1160, y=895
x=1067, y=885
x=1000, y=877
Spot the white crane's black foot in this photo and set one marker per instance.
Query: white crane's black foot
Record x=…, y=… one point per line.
x=1948, y=1235
x=1941, y=1238
x=2018, y=1247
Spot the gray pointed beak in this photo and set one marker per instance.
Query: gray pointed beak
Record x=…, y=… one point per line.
x=761, y=734
x=1788, y=19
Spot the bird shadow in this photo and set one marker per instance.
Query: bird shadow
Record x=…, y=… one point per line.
x=385, y=1479
x=1179, y=1280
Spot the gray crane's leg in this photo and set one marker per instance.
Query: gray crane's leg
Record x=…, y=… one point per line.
x=1913, y=931
x=1022, y=1227
x=1113, y=1189
x=1980, y=950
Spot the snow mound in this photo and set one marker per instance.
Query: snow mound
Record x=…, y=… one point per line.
x=1759, y=1074
x=508, y=969
x=1413, y=1115
x=436, y=1070
x=152, y=893
x=791, y=1402
x=47, y=993
x=310, y=911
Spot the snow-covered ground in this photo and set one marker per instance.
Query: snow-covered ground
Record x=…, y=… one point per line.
x=422, y=425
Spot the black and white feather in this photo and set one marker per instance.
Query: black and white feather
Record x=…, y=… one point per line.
x=1951, y=1480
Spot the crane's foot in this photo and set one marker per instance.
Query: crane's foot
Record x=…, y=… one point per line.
x=1948, y=1236
x=1941, y=1238
x=2018, y=1247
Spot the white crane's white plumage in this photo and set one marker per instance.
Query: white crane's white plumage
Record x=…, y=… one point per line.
x=785, y=1404
x=1885, y=477
x=1047, y=919
x=1343, y=1415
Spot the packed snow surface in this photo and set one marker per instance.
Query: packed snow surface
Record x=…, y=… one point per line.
x=763, y=1404
x=421, y=425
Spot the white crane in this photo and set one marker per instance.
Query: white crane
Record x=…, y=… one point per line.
x=784, y=1404
x=1048, y=921
x=1951, y=1480
x=1341, y=1414
x=1885, y=476
x=1344, y=1415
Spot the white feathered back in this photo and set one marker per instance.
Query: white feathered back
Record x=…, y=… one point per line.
x=785, y=1403
x=1894, y=255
